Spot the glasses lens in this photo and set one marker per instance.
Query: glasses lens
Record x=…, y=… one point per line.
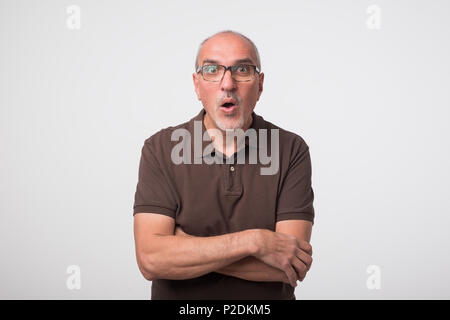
x=212, y=72
x=240, y=72
x=243, y=72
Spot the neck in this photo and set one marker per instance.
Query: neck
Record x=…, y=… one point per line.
x=227, y=148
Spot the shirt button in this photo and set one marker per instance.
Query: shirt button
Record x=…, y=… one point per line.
x=231, y=168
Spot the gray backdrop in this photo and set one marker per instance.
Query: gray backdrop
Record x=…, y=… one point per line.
x=365, y=83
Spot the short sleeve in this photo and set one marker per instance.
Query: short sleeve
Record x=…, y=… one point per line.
x=153, y=191
x=295, y=200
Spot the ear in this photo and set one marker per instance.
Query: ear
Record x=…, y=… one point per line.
x=260, y=84
x=196, y=79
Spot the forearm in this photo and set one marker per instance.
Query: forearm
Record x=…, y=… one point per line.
x=175, y=257
x=252, y=269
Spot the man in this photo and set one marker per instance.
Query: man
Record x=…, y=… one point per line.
x=221, y=229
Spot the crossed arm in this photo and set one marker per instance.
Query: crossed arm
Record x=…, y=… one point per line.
x=256, y=255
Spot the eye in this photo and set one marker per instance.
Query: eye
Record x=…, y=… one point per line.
x=210, y=68
x=242, y=68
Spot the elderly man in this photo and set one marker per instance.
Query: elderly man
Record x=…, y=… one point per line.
x=221, y=229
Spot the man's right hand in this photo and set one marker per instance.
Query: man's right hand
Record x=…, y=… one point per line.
x=285, y=252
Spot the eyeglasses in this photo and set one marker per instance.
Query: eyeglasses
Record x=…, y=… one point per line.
x=239, y=72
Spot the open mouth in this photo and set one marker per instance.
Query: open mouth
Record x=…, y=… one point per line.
x=228, y=105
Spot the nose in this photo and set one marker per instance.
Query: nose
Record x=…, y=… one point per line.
x=228, y=83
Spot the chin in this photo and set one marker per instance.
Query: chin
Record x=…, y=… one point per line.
x=230, y=125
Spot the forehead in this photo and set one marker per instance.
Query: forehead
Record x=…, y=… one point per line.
x=226, y=49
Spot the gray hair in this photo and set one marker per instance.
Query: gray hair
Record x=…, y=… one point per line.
x=258, y=59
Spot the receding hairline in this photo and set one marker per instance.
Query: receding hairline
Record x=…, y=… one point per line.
x=252, y=44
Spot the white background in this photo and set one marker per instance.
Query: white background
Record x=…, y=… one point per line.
x=77, y=105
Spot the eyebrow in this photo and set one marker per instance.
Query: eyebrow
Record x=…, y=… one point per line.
x=245, y=60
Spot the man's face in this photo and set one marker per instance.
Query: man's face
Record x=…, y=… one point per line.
x=228, y=50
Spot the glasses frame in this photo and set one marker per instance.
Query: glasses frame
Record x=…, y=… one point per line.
x=256, y=69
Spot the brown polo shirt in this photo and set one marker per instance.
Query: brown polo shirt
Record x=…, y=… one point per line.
x=215, y=199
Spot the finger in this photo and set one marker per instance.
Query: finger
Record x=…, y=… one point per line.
x=302, y=277
x=300, y=268
x=179, y=231
x=305, y=258
x=292, y=276
x=305, y=246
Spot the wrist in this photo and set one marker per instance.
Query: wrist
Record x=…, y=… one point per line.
x=253, y=240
